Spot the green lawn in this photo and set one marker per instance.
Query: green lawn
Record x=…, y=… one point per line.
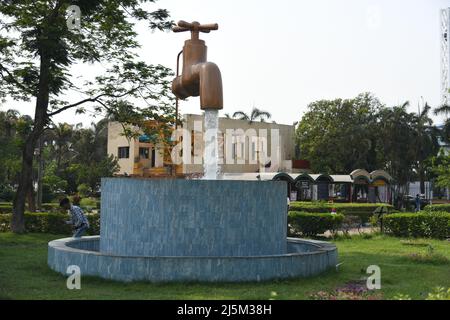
x=24, y=274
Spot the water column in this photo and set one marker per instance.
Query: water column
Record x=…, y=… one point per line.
x=211, y=153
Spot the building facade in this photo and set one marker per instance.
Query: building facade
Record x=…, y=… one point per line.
x=243, y=147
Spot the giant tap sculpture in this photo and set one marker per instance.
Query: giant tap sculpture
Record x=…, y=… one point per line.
x=199, y=77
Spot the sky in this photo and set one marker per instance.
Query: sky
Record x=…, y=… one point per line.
x=281, y=55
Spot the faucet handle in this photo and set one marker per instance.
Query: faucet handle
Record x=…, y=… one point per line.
x=179, y=29
x=195, y=27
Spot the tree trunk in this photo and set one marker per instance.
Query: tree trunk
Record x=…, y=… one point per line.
x=40, y=119
x=18, y=220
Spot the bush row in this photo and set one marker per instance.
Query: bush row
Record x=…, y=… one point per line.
x=418, y=225
x=311, y=224
x=362, y=210
x=438, y=207
x=53, y=223
x=53, y=207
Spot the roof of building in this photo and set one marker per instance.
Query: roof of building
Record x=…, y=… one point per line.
x=294, y=177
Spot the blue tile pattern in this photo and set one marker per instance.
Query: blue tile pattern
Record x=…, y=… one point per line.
x=305, y=258
x=192, y=230
x=171, y=217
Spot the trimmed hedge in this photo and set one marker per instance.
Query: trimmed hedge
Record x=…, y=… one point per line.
x=418, y=225
x=438, y=207
x=311, y=224
x=52, y=207
x=362, y=210
x=5, y=208
x=53, y=223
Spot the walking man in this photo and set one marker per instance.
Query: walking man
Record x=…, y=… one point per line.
x=79, y=221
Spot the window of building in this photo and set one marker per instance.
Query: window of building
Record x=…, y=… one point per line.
x=153, y=157
x=254, y=151
x=123, y=152
x=144, y=153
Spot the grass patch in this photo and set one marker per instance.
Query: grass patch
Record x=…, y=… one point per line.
x=24, y=274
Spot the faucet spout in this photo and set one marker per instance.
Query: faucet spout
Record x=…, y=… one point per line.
x=199, y=77
x=205, y=80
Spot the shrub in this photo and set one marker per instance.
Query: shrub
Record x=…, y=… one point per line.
x=362, y=210
x=83, y=189
x=47, y=193
x=6, y=193
x=89, y=204
x=53, y=223
x=6, y=208
x=418, y=225
x=311, y=224
x=439, y=293
x=437, y=207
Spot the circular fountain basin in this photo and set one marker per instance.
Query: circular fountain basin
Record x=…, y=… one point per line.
x=192, y=230
x=305, y=258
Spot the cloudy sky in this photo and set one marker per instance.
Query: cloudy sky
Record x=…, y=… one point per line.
x=281, y=55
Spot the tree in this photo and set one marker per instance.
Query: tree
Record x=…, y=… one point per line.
x=9, y=146
x=338, y=136
x=441, y=167
x=254, y=115
x=37, y=50
x=445, y=111
x=427, y=146
x=397, y=150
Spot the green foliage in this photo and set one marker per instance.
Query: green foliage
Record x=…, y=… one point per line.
x=5, y=208
x=6, y=193
x=441, y=168
x=362, y=210
x=25, y=275
x=83, y=190
x=423, y=225
x=439, y=293
x=430, y=258
x=338, y=136
x=13, y=131
x=311, y=224
x=38, y=50
x=54, y=184
x=437, y=207
x=53, y=223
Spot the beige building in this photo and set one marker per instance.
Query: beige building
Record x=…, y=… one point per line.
x=134, y=157
x=243, y=147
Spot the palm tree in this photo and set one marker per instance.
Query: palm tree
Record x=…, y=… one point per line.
x=426, y=137
x=253, y=116
x=444, y=110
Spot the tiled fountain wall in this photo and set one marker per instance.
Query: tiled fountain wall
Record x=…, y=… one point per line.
x=171, y=217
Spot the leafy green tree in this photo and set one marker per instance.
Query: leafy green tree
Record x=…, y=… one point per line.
x=14, y=129
x=52, y=181
x=397, y=146
x=90, y=174
x=339, y=136
x=37, y=50
x=441, y=167
x=426, y=144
